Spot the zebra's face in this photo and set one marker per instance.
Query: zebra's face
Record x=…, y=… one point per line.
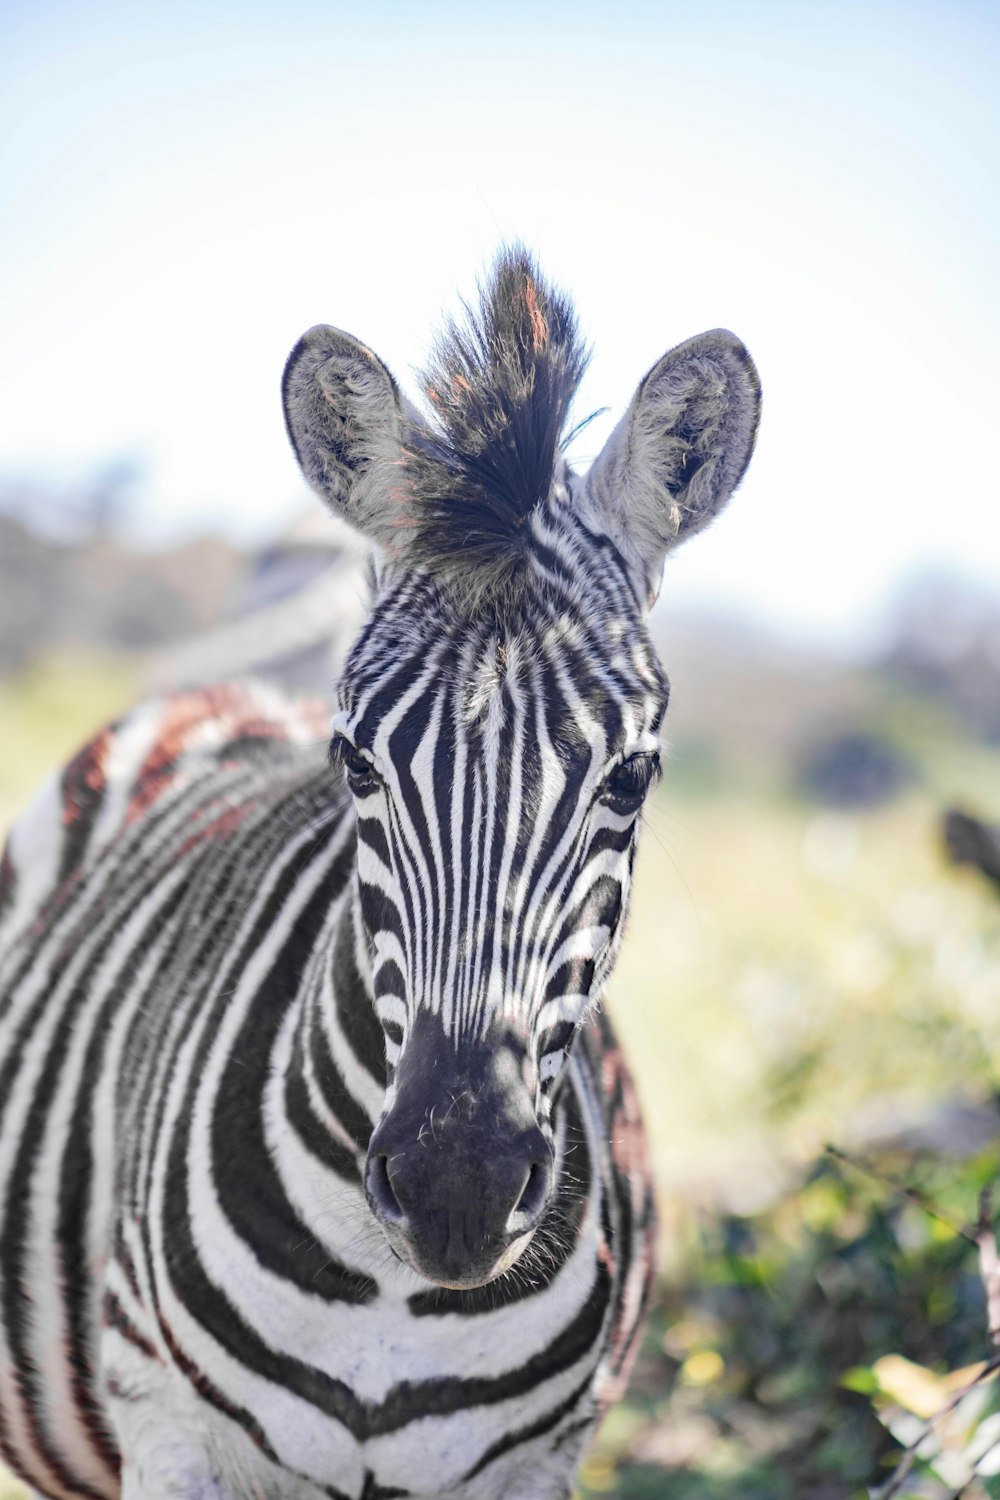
x=499, y=721
x=499, y=766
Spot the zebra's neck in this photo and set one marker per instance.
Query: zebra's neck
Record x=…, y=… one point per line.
x=337, y=1062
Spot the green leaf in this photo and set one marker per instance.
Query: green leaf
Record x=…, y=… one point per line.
x=861, y=1379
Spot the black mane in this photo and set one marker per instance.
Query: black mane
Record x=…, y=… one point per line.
x=499, y=388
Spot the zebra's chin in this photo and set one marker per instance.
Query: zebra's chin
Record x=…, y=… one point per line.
x=448, y=1281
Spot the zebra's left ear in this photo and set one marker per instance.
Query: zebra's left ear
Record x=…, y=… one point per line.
x=344, y=415
x=679, y=451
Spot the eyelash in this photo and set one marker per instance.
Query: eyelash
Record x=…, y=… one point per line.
x=630, y=781
x=360, y=773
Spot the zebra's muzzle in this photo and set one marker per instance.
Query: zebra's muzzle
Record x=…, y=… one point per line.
x=459, y=1172
x=460, y=1222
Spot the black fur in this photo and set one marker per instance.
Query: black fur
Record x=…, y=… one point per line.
x=499, y=388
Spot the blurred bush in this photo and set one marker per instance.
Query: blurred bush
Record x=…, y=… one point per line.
x=859, y=769
x=795, y=1353
x=945, y=645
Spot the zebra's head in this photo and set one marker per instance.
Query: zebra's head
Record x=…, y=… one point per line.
x=499, y=721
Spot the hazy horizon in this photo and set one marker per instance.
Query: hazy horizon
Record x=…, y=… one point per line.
x=184, y=189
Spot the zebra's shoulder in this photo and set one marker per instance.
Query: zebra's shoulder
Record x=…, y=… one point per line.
x=159, y=748
x=171, y=740
x=629, y=1226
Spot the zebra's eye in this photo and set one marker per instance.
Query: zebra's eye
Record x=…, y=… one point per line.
x=361, y=774
x=629, y=782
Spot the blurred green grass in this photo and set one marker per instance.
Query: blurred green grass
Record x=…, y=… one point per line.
x=793, y=974
x=796, y=975
x=49, y=710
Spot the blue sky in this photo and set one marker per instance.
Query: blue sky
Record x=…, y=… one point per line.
x=184, y=188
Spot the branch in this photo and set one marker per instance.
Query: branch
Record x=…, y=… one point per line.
x=898, y=1477
x=914, y=1195
x=989, y=1265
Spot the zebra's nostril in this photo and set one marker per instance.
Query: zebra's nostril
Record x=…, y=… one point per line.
x=380, y=1194
x=534, y=1196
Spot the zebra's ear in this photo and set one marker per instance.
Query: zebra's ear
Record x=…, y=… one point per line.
x=343, y=411
x=679, y=451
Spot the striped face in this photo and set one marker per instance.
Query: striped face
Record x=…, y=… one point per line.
x=499, y=765
x=499, y=721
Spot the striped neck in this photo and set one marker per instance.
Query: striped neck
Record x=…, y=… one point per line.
x=337, y=1064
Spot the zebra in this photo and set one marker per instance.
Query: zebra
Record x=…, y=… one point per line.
x=321, y=1172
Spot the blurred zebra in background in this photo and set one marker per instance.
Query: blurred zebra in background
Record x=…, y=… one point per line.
x=973, y=841
x=292, y=616
x=319, y=1172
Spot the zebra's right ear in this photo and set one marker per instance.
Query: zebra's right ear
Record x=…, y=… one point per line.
x=679, y=451
x=343, y=411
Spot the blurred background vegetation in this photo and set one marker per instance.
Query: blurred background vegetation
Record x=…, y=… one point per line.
x=805, y=968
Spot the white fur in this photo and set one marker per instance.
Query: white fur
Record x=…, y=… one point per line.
x=699, y=405
x=344, y=414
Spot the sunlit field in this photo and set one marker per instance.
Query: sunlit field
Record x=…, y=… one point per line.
x=48, y=711
x=794, y=976
x=10, y=1489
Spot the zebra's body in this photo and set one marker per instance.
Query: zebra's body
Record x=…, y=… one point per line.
x=331, y=1357
x=318, y=1175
